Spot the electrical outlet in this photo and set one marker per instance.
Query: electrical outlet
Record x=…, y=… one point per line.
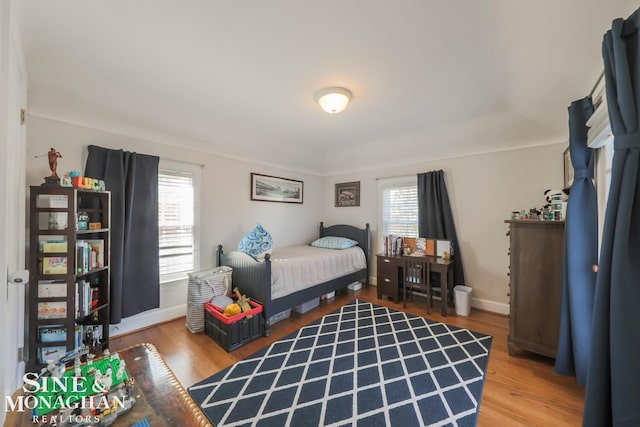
x=21, y=354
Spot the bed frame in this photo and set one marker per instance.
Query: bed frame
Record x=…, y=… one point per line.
x=253, y=278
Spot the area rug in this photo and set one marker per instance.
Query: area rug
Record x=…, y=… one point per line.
x=362, y=365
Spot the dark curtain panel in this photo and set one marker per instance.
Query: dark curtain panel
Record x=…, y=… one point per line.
x=435, y=220
x=613, y=380
x=133, y=181
x=580, y=252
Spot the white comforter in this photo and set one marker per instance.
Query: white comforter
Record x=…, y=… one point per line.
x=299, y=267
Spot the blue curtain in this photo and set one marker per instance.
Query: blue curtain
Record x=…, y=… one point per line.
x=435, y=219
x=580, y=252
x=613, y=380
x=132, y=179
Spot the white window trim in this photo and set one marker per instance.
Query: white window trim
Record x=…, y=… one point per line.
x=196, y=172
x=383, y=184
x=604, y=161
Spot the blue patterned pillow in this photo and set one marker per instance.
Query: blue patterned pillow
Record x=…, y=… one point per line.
x=332, y=242
x=257, y=241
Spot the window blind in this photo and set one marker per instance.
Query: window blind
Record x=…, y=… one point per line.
x=400, y=211
x=176, y=210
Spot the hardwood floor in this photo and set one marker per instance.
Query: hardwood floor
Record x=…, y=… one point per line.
x=521, y=390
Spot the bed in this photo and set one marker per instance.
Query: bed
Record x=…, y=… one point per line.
x=255, y=278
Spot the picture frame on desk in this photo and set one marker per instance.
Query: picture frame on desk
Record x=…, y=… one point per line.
x=430, y=247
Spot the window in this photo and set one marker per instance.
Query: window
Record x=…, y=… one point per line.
x=604, y=160
x=399, y=207
x=176, y=219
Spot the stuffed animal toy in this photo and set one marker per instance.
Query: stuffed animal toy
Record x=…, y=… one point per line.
x=241, y=304
x=232, y=310
x=243, y=301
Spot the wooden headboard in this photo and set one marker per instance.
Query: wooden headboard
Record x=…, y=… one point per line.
x=360, y=235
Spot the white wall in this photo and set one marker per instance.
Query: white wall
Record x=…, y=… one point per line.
x=12, y=193
x=227, y=212
x=483, y=190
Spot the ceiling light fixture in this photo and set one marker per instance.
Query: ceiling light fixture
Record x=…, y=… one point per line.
x=333, y=99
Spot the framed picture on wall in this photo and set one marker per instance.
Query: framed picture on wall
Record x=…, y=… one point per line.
x=268, y=188
x=568, y=168
x=348, y=194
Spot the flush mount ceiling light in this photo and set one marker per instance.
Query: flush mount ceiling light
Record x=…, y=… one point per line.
x=333, y=99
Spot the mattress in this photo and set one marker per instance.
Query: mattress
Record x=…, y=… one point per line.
x=299, y=267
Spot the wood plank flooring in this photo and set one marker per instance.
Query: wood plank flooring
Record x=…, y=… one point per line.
x=521, y=390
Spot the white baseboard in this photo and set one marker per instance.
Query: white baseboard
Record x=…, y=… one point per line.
x=488, y=305
x=146, y=319
x=479, y=303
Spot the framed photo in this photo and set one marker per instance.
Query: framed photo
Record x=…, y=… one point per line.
x=268, y=188
x=568, y=168
x=348, y=194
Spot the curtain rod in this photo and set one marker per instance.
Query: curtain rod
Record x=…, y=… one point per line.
x=597, y=83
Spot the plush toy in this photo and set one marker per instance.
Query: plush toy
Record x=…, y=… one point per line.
x=241, y=304
x=232, y=310
x=243, y=301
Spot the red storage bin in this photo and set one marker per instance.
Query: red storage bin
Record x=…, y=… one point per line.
x=234, y=331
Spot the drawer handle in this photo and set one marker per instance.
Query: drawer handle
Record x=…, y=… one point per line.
x=387, y=280
x=387, y=260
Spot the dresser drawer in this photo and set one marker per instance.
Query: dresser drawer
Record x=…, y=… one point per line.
x=388, y=283
x=387, y=266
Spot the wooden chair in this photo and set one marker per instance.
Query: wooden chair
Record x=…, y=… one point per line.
x=415, y=277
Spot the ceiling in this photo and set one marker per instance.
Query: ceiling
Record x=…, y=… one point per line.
x=430, y=78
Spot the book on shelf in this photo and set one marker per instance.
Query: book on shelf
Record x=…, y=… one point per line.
x=77, y=336
x=393, y=244
x=52, y=333
x=89, y=255
x=54, y=265
x=83, y=298
x=95, y=298
x=96, y=253
x=51, y=289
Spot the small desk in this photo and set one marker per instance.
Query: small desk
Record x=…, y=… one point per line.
x=391, y=270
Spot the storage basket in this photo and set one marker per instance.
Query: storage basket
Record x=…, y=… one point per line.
x=233, y=331
x=204, y=286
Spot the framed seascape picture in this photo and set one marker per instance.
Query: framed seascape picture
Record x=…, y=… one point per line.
x=268, y=188
x=348, y=194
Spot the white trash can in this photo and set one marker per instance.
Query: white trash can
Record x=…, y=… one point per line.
x=463, y=300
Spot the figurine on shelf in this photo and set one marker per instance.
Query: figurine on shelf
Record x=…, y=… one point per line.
x=53, y=179
x=54, y=155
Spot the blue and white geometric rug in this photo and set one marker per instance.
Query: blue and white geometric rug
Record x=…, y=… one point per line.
x=363, y=365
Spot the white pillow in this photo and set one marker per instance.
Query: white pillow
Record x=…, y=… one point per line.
x=332, y=242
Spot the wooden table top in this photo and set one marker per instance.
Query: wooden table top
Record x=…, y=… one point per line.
x=160, y=398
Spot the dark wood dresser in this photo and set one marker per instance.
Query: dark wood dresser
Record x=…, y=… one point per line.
x=535, y=253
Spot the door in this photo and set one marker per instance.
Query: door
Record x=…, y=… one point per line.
x=13, y=211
